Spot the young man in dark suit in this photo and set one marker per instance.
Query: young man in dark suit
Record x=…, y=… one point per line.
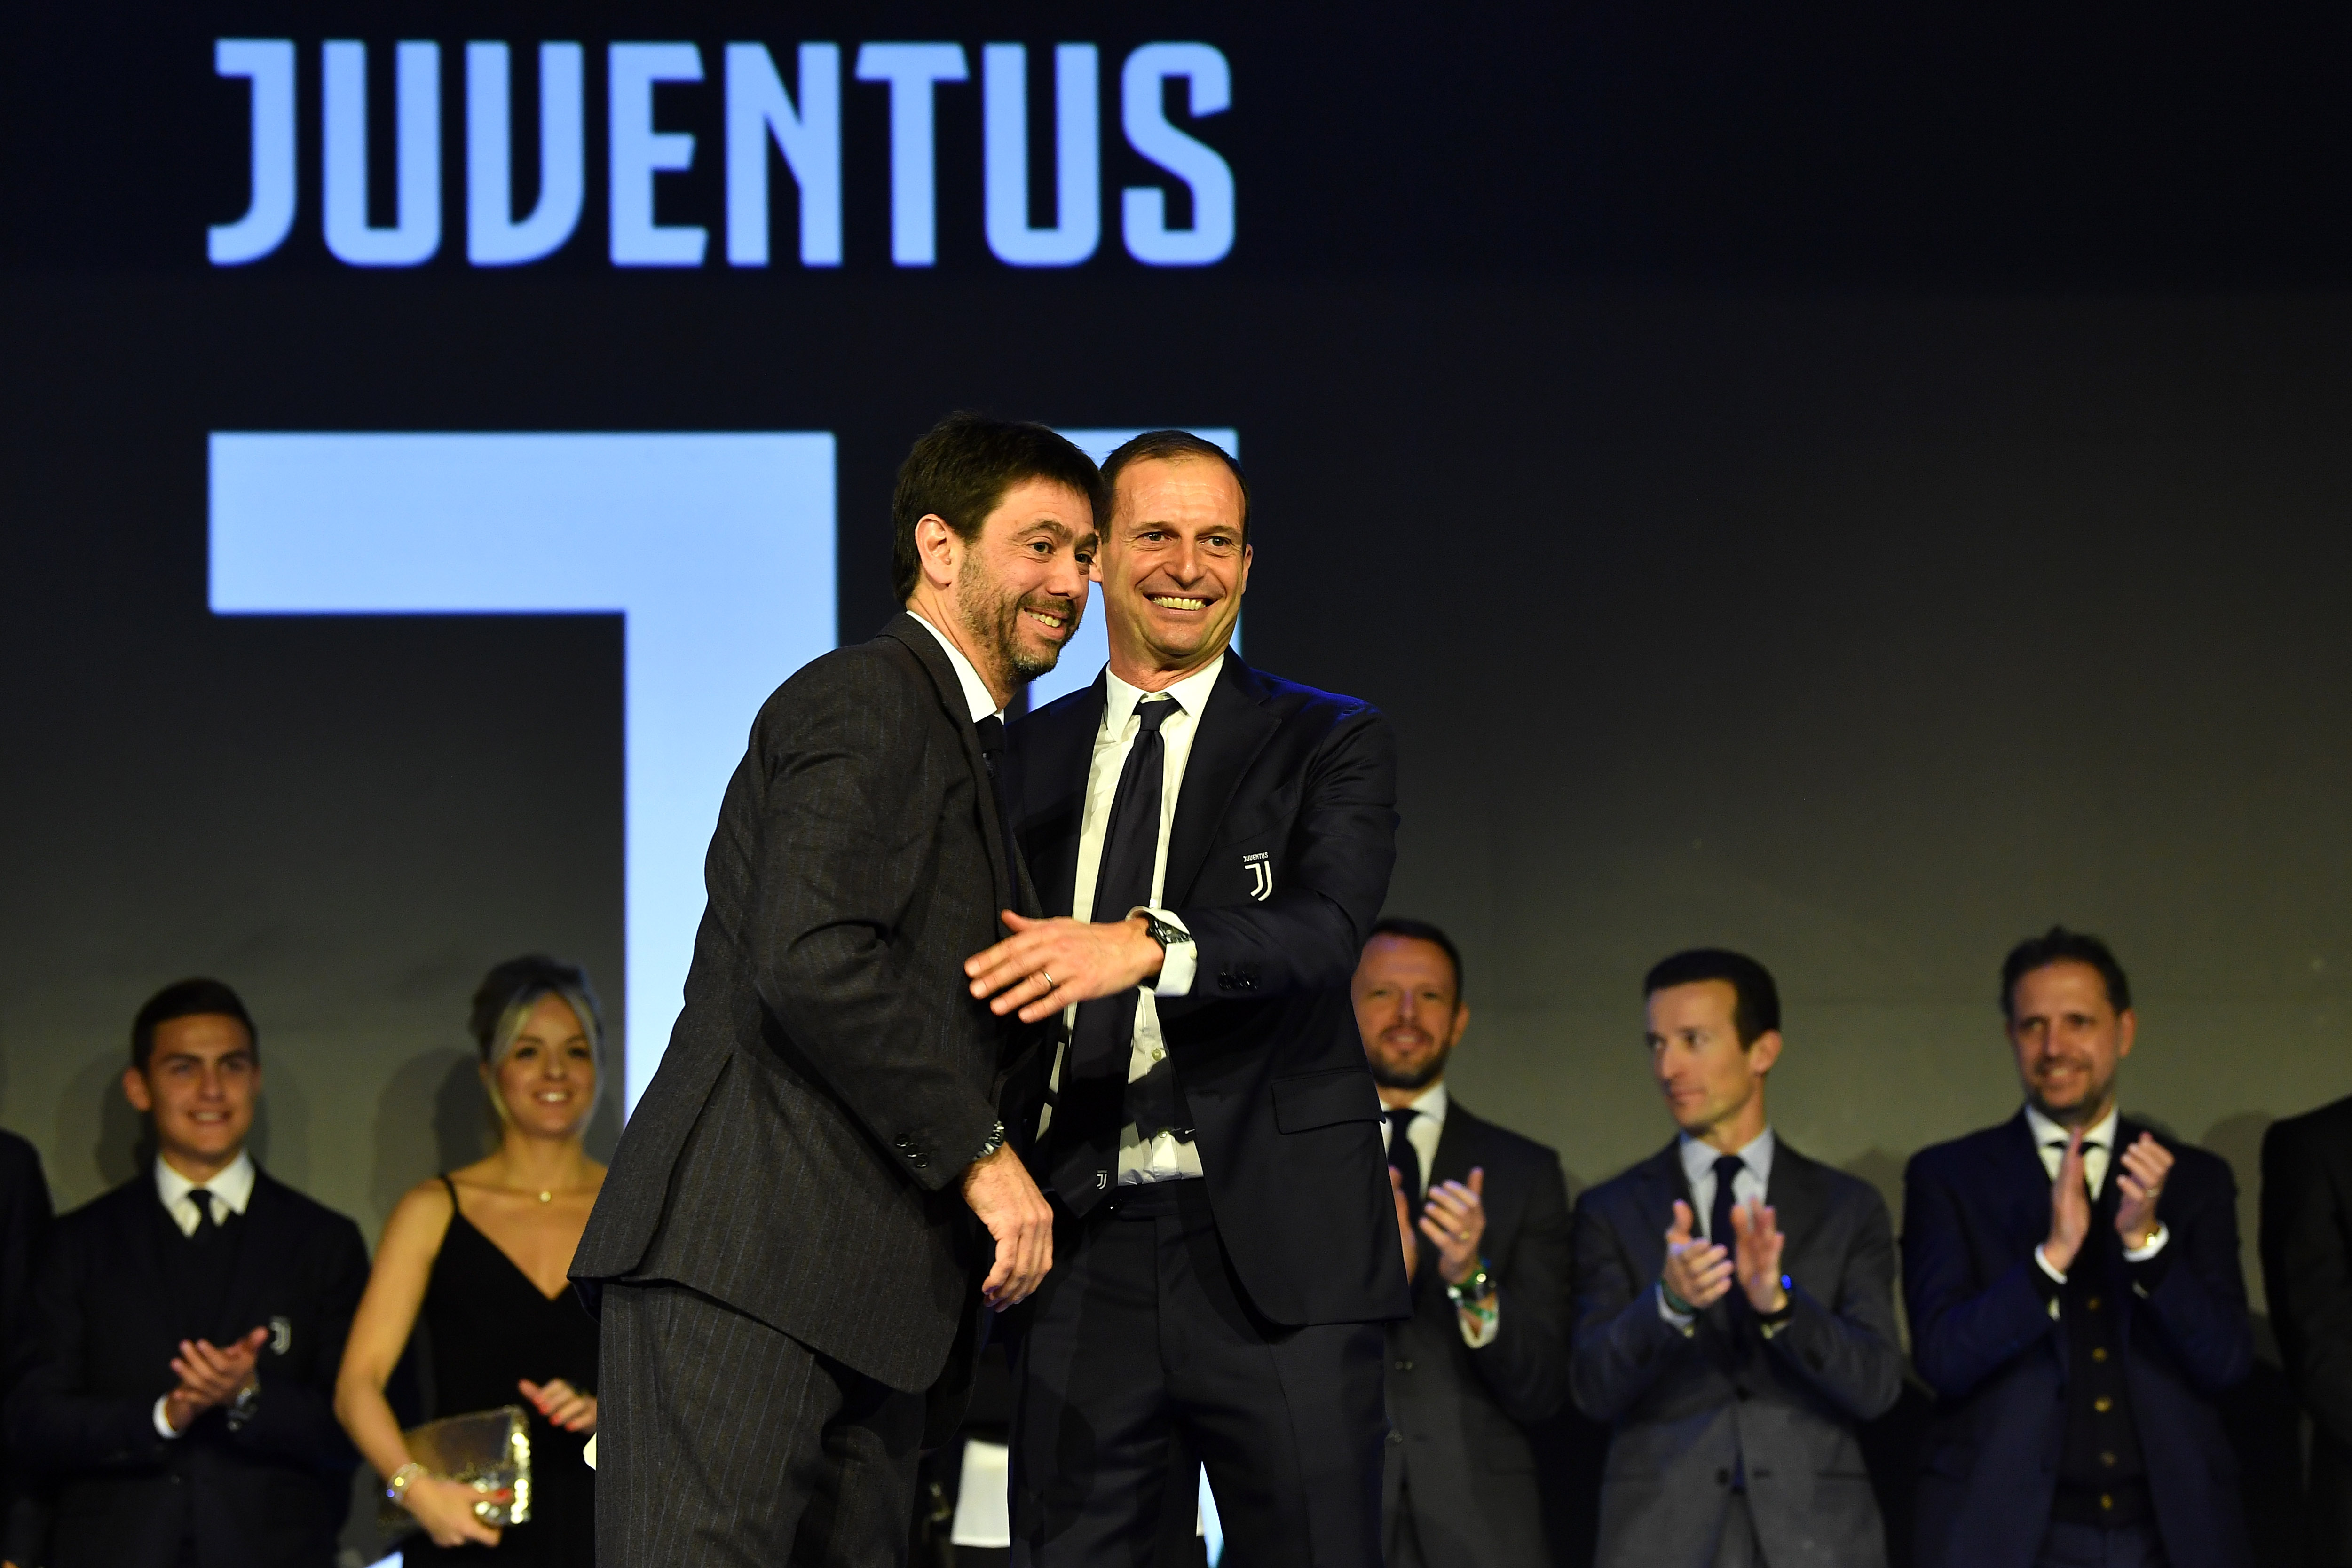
x=191, y=1323
x=2307, y=1269
x=2076, y=1304
x=1734, y=1364
x=1215, y=844
x=1489, y=1253
x=784, y=1250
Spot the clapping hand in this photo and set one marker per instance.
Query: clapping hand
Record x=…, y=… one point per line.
x=1756, y=1259
x=2141, y=1181
x=1455, y=1217
x=210, y=1375
x=2070, y=1208
x=563, y=1406
x=1404, y=1224
x=1699, y=1273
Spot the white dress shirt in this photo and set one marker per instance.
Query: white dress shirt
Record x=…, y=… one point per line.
x=231, y=1191
x=1754, y=1180
x=1166, y=1157
x=1428, y=1125
x=1422, y=1132
x=976, y=695
x=2099, y=1152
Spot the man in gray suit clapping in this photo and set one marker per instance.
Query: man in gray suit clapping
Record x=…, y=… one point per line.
x=1734, y=1311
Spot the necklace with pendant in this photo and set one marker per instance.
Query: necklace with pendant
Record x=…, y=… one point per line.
x=547, y=1198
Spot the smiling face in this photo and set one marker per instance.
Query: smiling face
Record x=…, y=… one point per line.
x=2069, y=1041
x=1012, y=596
x=547, y=1081
x=199, y=1086
x=1714, y=1086
x=1173, y=568
x=1407, y=1011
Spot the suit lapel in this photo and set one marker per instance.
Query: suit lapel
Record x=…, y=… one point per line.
x=1234, y=727
x=1053, y=751
x=919, y=641
x=1796, y=1192
x=1663, y=1182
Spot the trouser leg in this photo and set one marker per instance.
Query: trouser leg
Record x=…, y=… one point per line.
x=723, y=1443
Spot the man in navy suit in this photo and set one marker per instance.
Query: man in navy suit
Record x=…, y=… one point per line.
x=1215, y=844
x=2076, y=1304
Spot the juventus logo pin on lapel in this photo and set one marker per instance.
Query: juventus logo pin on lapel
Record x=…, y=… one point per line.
x=281, y=1335
x=1259, y=863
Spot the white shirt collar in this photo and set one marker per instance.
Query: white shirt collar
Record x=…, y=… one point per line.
x=976, y=695
x=1430, y=1103
x=1698, y=1159
x=2047, y=1131
x=1191, y=694
x=233, y=1186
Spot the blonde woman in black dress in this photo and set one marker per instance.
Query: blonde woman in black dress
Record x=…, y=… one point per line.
x=479, y=1256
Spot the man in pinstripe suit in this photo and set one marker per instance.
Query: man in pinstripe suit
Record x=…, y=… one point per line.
x=784, y=1251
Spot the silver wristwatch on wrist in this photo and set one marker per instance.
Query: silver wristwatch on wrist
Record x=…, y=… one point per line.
x=994, y=1142
x=1161, y=932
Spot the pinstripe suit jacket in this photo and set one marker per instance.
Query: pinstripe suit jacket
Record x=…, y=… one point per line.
x=798, y=1155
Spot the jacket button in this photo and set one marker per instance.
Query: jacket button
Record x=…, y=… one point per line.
x=1723, y=1478
x=1760, y=1474
x=1741, y=1391
x=1395, y=1436
x=902, y=1143
x=1403, y=1366
x=920, y=1163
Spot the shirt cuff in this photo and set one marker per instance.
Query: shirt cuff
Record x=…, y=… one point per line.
x=1180, y=963
x=1678, y=1321
x=2154, y=1245
x=163, y=1428
x=1482, y=1336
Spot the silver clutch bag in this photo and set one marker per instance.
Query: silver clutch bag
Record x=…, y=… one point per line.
x=489, y=1450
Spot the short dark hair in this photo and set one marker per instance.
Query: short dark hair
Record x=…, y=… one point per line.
x=1171, y=447
x=1755, y=1000
x=2060, y=946
x=193, y=998
x=1421, y=931
x=959, y=471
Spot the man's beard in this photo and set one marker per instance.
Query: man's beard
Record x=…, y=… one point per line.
x=1420, y=1077
x=992, y=615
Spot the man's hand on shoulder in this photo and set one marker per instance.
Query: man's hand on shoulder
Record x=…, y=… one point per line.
x=1048, y=964
x=999, y=1189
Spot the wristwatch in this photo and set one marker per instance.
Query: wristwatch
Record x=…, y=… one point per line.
x=995, y=1141
x=242, y=1408
x=1474, y=1290
x=1161, y=932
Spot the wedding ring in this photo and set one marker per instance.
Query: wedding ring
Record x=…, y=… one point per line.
x=1048, y=975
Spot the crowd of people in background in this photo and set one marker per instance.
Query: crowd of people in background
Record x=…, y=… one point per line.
x=196, y=1359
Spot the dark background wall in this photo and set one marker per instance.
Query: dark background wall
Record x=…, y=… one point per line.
x=1854, y=487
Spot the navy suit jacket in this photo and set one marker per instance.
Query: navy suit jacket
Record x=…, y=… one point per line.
x=1277, y=863
x=1983, y=1336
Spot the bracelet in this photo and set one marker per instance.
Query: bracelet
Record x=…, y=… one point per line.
x=396, y=1488
x=1675, y=1303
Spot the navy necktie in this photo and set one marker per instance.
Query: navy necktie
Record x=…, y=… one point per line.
x=1404, y=1157
x=207, y=1227
x=991, y=753
x=1105, y=1031
x=1718, y=1218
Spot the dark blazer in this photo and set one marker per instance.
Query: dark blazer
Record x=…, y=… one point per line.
x=270, y=1494
x=1983, y=1338
x=1683, y=1410
x=1301, y=784
x=799, y=1152
x=24, y=1219
x=1465, y=1463
x=2307, y=1269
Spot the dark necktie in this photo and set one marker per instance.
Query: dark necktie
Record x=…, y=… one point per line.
x=207, y=1227
x=991, y=753
x=2088, y=1144
x=1718, y=1218
x=1105, y=1030
x=1404, y=1157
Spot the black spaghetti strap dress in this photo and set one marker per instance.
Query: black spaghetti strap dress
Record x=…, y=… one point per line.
x=488, y=1327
